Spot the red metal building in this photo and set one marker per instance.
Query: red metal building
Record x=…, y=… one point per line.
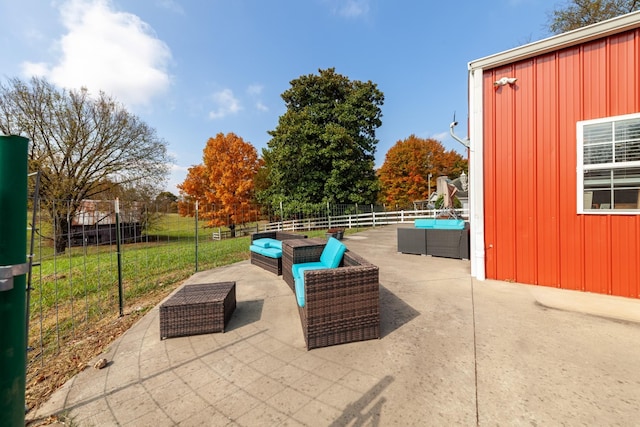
x=554, y=130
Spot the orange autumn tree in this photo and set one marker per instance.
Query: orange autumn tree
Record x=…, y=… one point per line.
x=407, y=165
x=224, y=182
x=193, y=188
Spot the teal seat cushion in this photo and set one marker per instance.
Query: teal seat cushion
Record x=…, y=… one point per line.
x=298, y=269
x=268, y=252
x=299, y=287
x=330, y=258
x=439, y=224
x=332, y=253
x=298, y=276
x=267, y=243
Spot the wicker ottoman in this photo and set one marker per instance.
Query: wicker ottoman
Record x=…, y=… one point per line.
x=198, y=309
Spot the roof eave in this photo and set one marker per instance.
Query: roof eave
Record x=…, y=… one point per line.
x=571, y=38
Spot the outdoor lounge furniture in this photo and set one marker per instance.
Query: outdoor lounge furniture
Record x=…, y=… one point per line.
x=447, y=238
x=266, y=249
x=197, y=309
x=341, y=304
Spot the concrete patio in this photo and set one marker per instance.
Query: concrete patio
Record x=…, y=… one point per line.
x=454, y=351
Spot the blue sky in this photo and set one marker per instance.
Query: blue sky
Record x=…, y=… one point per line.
x=194, y=68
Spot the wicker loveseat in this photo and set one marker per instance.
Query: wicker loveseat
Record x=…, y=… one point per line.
x=341, y=304
x=271, y=257
x=436, y=237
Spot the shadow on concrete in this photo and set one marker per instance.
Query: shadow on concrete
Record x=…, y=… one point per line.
x=394, y=312
x=246, y=312
x=357, y=414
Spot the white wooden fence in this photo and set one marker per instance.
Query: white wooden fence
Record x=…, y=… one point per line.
x=363, y=220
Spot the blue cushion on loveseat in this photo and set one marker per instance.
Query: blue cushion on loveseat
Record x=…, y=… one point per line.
x=330, y=257
x=332, y=253
x=298, y=277
x=267, y=243
x=439, y=224
x=268, y=252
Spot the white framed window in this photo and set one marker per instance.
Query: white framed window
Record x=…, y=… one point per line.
x=608, y=165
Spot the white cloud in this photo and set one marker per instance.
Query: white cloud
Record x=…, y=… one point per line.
x=254, y=89
x=35, y=68
x=107, y=50
x=440, y=136
x=261, y=107
x=226, y=103
x=171, y=5
x=177, y=176
x=351, y=8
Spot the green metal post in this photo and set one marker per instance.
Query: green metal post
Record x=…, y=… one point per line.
x=119, y=259
x=13, y=269
x=196, y=236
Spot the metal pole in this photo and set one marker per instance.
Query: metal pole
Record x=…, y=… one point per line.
x=13, y=271
x=119, y=258
x=196, y=236
x=36, y=202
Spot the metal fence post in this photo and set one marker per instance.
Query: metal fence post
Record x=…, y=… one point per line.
x=13, y=270
x=196, y=217
x=119, y=257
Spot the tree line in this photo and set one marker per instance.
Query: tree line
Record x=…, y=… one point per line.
x=322, y=151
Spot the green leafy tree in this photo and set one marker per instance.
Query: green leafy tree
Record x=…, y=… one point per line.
x=166, y=201
x=580, y=13
x=82, y=145
x=323, y=147
x=261, y=180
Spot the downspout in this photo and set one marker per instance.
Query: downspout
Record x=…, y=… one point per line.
x=476, y=173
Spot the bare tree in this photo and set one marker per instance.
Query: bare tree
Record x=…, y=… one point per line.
x=580, y=13
x=82, y=145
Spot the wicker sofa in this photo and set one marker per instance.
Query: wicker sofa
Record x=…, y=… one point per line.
x=435, y=237
x=341, y=304
x=271, y=262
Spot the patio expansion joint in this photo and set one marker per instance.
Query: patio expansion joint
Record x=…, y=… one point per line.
x=475, y=351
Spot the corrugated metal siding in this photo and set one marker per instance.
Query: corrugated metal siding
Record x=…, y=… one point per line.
x=571, y=238
x=532, y=231
x=548, y=195
x=505, y=244
x=525, y=178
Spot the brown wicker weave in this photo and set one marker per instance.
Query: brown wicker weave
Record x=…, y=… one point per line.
x=341, y=304
x=274, y=265
x=435, y=242
x=198, y=309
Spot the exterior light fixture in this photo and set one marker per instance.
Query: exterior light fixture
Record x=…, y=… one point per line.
x=505, y=81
